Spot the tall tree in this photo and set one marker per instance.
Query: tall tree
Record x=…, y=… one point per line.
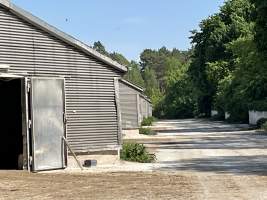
x=157, y=60
x=151, y=82
x=212, y=60
x=134, y=74
x=99, y=47
x=261, y=25
x=119, y=58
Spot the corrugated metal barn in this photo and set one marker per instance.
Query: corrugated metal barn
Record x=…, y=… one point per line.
x=134, y=105
x=145, y=107
x=53, y=86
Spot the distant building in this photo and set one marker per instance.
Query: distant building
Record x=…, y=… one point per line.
x=134, y=105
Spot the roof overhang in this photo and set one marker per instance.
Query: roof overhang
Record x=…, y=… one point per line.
x=60, y=35
x=146, y=98
x=132, y=85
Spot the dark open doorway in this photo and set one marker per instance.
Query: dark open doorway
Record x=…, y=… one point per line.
x=11, y=142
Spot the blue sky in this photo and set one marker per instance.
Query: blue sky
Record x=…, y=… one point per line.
x=125, y=26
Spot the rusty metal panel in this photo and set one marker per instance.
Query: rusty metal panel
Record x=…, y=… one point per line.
x=47, y=119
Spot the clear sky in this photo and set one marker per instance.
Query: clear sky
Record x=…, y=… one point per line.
x=125, y=26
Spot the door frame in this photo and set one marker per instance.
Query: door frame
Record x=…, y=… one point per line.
x=24, y=118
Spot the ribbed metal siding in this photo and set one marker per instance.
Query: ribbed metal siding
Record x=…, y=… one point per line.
x=150, y=110
x=129, y=106
x=143, y=107
x=146, y=107
x=90, y=100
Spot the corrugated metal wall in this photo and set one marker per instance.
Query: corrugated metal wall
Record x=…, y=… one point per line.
x=90, y=99
x=146, y=107
x=129, y=103
x=150, y=109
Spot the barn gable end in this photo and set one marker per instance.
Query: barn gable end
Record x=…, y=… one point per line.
x=92, y=122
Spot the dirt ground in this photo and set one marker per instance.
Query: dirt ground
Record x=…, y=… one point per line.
x=156, y=185
x=195, y=160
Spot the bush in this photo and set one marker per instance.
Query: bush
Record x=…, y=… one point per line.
x=260, y=122
x=264, y=126
x=218, y=117
x=148, y=121
x=146, y=131
x=136, y=153
x=260, y=105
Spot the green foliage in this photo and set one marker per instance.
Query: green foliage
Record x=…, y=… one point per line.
x=218, y=117
x=260, y=105
x=261, y=28
x=162, y=69
x=136, y=153
x=151, y=82
x=152, y=89
x=264, y=126
x=229, y=68
x=134, y=75
x=179, y=101
x=146, y=131
x=212, y=60
x=119, y=58
x=246, y=88
x=261, y=122
x=99, y=47
x=158, y=61
x=148, y=121
x=225, y=70
x=134, y=70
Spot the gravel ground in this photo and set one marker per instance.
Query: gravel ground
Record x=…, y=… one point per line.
x=196, y=159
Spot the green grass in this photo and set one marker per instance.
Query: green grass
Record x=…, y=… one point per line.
x=136, y=153
x=261, y=122
x=146, y=131
x=148, y=121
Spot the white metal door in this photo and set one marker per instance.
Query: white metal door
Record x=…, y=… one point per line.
x=47, y=123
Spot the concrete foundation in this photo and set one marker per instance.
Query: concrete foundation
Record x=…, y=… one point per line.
x=128, y=132
x=101, y=160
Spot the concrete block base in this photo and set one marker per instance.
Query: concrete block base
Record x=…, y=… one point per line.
x=101, y=160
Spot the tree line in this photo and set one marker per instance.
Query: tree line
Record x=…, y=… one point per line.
x=225, y=70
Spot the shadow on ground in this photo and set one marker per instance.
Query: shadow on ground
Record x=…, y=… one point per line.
x=242, y=165
x=208, y=146
x=235, y=141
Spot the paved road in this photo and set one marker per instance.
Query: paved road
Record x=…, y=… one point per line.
x=198, y=145
x=229, y=161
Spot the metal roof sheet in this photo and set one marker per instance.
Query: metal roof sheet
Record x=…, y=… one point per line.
x=60, y=35
x=132, y=85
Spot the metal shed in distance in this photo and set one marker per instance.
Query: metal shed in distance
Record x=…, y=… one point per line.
x=56, y=86
x=145, y=107
x=134, y=105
